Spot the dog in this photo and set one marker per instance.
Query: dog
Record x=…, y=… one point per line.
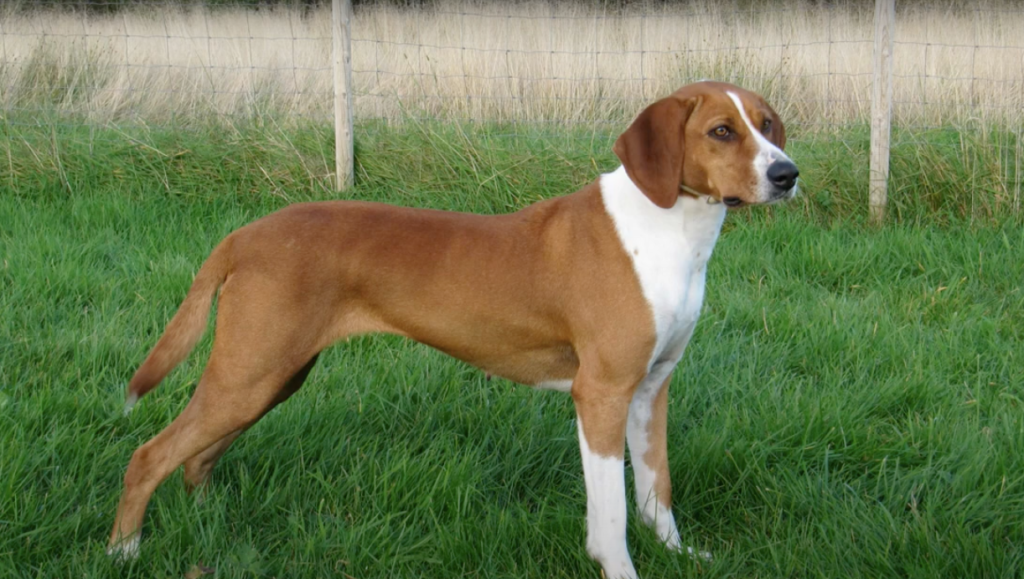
x=595, y=293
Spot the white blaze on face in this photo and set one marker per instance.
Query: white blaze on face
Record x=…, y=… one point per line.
x=767, y=152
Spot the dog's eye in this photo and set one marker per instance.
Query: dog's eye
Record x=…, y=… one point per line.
x=721, y=132
x=766, y=126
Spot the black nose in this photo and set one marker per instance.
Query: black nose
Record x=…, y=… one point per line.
x=783, y=174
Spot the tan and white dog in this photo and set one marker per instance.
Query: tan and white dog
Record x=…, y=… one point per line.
x=595, y=293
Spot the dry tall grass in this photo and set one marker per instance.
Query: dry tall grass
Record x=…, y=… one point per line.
x=542, y=62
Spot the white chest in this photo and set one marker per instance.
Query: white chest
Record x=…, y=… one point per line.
x=670, y=250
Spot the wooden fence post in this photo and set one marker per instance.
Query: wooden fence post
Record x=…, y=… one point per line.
x=881, y=107
x=341, y=36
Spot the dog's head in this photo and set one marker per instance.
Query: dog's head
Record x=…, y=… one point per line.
x=709, y=138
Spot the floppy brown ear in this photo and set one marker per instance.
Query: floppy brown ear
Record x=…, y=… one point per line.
x=652, y=149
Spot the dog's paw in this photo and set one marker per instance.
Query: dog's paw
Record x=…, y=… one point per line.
x=699, y=555
x=126, y=550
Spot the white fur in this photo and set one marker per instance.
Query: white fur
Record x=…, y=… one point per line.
x=766, y=155
x=606, y=511
x=126, y=550
x=129, y=403
x=653, y=513
x=559, y=385
x=670, y=249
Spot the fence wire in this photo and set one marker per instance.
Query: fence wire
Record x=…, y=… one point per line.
x=560, y=64
x=162, y=63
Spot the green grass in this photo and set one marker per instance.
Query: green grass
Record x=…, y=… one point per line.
x=850, y=405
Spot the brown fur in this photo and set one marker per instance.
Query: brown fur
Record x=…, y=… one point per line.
x=653, y=150
x=505, y=293
x=656, y=456
x=547, y=293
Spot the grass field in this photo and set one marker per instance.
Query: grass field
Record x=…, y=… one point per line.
x=850, y=405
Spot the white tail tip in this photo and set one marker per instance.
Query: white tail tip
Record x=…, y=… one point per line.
x=129, y=402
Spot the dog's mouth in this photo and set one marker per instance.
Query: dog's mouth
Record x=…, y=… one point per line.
x=777, y=195
x=783, y=194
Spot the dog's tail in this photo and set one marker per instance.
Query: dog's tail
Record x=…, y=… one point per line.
x=184, y=329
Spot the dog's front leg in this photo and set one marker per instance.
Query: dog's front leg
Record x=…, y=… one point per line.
x=647, y=433
x=601, y=422
x=648, y=453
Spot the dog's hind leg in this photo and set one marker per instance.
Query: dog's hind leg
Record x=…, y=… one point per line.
x=261, y=353
x=199, y=467
x=215, y=415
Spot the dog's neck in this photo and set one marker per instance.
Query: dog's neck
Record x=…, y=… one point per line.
x=691, y=222
x=669, y=249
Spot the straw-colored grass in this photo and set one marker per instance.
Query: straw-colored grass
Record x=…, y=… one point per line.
x=570, y=63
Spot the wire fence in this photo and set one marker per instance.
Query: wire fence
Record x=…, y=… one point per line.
x=564, y=64
x=163, y=63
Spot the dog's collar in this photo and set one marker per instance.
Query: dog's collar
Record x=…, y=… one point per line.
x=711, y=200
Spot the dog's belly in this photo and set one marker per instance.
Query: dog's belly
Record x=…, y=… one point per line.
x=526, y=364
